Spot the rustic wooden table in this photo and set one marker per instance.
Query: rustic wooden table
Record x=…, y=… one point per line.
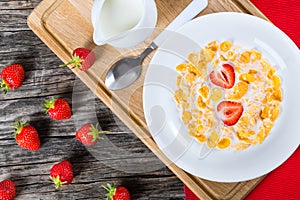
x=44, y=79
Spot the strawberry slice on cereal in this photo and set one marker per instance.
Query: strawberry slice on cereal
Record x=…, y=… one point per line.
x=223, y=76
x=230, y=112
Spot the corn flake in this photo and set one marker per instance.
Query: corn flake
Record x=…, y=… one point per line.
x=224, y=143
x=204, y=91
x=239, y=90
x=225, y=46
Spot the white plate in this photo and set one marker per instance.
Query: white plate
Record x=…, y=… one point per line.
x=163, y=119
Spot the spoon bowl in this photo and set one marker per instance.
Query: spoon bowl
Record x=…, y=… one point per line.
x=123, y=73
x=127, y=70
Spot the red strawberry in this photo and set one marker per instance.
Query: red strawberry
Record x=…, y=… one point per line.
x=26, y=136
x=230, y=112
x=116, y=193
x=82, y=58
x=12, y=77
x=223, y=77
x=61, y=173
x=58, y=109
x=7, y=190
x=89, y=134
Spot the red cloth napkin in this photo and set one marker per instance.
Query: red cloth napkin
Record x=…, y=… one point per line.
x=281, y=184
x=285, y=14
x=284, y=182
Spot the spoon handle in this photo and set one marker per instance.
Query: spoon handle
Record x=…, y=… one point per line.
x=187, y=14
x=147, y=51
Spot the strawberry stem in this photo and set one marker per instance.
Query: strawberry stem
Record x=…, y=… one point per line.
x=58, y=183
x=49, y=103
x=76, y=61
x=95, y=132
x=111, y=191
x=4, y=86
x=18, y=127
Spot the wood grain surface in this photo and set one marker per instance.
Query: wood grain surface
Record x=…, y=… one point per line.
x=44, y=79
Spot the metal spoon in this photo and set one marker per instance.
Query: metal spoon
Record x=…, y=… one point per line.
x=127, y=70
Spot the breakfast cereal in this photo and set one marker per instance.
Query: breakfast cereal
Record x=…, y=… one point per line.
x=228, y=97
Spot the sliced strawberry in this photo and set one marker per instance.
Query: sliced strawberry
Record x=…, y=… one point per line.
x=223, y=77
x=230, y=112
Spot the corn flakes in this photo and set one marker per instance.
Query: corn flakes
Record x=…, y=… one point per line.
x=257, y=88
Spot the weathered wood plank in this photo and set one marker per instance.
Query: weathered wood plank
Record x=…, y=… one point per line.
x=43, y=75
x=18, y=4
x=30, y=109
x=58, y=143
x=23, y=44
x=11, y=18
x=54, y=150
x=33, y=180
x=144, y=188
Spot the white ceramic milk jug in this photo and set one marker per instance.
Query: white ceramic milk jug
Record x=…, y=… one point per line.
x=123, y=23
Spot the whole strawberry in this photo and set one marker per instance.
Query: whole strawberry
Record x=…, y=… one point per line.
x=26, y=136
x=82, y=58
x=89, y=134
x=7, y=190
x=61, y=173
x=12, y=77
x=57, y=109
x=116, y=193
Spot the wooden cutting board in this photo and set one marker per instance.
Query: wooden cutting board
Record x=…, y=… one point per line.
x=64, y=25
